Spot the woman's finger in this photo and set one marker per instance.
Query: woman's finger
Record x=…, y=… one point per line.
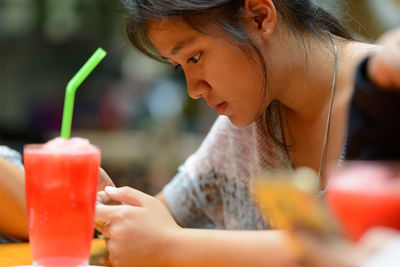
x=128, y=195
x=112, y=213
x=104, y=180
x=105, y=213
x=105, y=229
x=102, y=198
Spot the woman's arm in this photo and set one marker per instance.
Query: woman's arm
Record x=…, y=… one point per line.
x=246, y=248
x=198, y=247
x=13, y=216
x=142, y=232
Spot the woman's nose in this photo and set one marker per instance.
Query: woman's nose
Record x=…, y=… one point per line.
x=197, y=87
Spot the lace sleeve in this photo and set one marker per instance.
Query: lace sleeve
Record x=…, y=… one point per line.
x=184, y=202
x=189, y=196
x=211, y=188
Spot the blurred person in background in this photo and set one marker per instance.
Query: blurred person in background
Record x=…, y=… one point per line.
x=273, y=69
x=374, y=122
x=373, y=135
x=13, y=217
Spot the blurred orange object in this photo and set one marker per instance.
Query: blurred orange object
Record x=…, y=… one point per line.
x=364, y=194
x=289, y=200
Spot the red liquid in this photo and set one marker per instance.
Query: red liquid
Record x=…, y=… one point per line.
x=364, y=196
x=61, y=194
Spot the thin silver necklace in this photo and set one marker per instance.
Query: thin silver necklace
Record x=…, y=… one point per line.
x=328, y=119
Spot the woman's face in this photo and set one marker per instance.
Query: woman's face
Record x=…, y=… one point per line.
x=229, y=80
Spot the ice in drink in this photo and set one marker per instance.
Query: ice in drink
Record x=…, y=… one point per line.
x=61, y=183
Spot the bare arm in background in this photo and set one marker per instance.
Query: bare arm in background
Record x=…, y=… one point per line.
x=13, y=216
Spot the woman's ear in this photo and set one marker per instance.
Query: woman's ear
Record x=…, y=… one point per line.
x=261, y=14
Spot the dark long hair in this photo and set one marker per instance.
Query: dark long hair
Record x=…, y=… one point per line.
x=225, y=15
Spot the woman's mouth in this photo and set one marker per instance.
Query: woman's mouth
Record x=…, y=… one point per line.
x=221, y=108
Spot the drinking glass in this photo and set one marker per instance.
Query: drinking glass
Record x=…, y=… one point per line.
x=364, y=194
x=61, y=193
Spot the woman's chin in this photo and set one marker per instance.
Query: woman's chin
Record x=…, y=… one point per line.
x=239, y=122
x=244, y=121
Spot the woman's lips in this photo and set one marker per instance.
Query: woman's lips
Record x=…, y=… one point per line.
x=221, y=108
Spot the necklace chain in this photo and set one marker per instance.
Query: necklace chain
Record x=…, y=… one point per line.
x=328, y=119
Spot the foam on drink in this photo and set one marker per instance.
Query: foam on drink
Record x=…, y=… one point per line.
x=74, y=145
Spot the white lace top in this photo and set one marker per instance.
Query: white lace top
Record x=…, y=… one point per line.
x=211, y=189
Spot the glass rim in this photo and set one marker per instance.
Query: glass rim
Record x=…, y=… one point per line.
x=38, y=148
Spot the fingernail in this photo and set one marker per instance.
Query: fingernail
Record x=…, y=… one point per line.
x=98, y=198
x=111, y=189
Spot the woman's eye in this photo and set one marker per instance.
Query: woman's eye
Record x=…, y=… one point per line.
x=178, y=67
x=195, y=58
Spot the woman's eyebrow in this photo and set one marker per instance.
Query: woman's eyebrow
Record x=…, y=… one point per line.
x=181, y=44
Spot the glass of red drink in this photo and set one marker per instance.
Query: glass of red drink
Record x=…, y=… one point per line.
x=362, y=195
x=61, y=185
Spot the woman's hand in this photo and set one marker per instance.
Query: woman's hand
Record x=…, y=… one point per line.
x=138, y=232
x=384, y=67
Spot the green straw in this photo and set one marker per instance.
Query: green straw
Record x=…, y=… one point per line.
x=70, y=90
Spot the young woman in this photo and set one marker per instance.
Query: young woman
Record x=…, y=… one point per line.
x=280, y=74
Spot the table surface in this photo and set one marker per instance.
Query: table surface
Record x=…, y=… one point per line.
x=20, y=254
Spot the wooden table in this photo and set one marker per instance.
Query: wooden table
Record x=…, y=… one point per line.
x=20, y=254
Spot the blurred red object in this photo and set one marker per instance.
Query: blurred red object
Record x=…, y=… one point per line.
x=362, y=195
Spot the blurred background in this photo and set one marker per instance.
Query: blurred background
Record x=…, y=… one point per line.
x=134, y=109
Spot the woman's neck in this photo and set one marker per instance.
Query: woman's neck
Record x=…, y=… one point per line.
x=306, y=94
x=308, y=76
x=304, y=71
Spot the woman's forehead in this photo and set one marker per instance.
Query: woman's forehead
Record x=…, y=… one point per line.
x=169, y=36
x=177, y=28
x=168, y=26
x=166, y=33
